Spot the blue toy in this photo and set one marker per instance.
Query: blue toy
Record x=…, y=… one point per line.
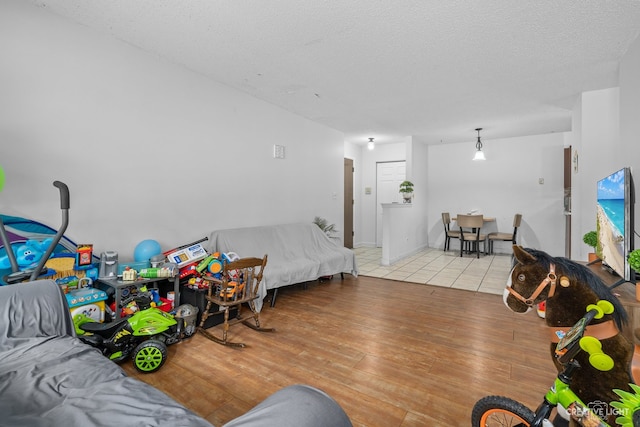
x=27, y=255
x=146, y=249
x=16, y=274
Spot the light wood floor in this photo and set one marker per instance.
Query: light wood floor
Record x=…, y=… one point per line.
x=391, y=353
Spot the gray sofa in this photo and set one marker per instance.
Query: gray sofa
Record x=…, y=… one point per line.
x=48, y=377
x=297, y=253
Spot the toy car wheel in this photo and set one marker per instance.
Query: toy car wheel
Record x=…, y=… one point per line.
x=149, y=356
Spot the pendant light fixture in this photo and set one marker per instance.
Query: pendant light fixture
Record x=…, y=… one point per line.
x=479, y=153
x=370, y=144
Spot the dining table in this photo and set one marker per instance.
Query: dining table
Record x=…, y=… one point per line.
x=485, y=219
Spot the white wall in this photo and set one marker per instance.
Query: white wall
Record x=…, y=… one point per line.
x=417, y=157
x=147, y=148
x=503, y=185
x=151, y=150
x=629, y=119
x=597, y=143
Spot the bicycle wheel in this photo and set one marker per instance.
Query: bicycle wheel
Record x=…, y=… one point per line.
x=493, y=411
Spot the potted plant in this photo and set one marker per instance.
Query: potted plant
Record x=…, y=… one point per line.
x=591, y=239
x=324, y=225
x=406, y=188
x=634, y=263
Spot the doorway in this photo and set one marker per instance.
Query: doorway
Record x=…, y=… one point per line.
x=348, y=203
x=567, y=201
x=389, y=175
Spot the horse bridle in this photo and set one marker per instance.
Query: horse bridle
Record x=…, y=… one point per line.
x=550, y=280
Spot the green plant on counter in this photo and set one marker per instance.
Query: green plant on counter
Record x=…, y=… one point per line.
x=406, y=187
x=591, y=239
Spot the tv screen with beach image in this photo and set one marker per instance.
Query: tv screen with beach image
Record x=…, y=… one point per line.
x=611, y=221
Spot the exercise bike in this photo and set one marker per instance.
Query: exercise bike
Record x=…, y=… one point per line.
x=143, y=336
x=503, y=411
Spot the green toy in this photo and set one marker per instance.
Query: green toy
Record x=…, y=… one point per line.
x=500, y=410
x=143, y=336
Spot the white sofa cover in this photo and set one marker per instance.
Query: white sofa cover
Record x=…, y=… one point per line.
x=296, y=253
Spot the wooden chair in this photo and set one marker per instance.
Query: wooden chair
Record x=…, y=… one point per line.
x=505, y=237
x=470, y=226
x=448, y=233
x=238, y=285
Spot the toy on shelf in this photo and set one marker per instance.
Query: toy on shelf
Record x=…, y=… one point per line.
x=205, y=263
x=187, y=254
x=189, y=270
x=84, y=256
x=167, y=270
x=157, y=260
x=146, y=249
x=197, y=283
x=129, y=274
x=108, y=265
x=213, y=264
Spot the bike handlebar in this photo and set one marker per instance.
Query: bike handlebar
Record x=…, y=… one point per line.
x=571, y=343
x=64, y=194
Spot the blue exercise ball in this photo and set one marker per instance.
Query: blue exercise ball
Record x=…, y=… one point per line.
x=145, y=250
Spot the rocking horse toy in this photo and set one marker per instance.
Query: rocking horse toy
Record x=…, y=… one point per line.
x=567, y=288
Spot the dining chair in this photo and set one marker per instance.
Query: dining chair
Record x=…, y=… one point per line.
x=505, y=237
x=448, y=233
x=470, y=227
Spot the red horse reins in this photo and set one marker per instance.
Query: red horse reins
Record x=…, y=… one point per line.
x=549, y=280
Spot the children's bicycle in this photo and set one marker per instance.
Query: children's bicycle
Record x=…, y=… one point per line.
x=503, y=411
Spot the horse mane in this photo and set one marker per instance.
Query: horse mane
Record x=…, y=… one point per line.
x=583, y=274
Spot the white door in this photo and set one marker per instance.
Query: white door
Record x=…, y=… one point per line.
x=389, y=175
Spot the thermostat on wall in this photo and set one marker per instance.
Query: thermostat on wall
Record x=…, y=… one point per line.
x=278, y=151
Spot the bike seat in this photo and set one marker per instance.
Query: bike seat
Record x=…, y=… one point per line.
x=103, y=329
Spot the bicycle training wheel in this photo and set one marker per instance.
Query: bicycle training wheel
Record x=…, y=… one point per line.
x=499, y=411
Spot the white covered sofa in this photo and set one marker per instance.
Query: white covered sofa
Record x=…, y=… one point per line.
x=297, y=253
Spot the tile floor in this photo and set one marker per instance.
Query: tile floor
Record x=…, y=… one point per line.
x=487, y=274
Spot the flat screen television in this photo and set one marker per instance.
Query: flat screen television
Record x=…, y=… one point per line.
x=616, y=197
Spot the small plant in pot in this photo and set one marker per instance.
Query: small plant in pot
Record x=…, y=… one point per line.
x=634, y=263
x=591, y=239
x=329, y=229
x=406, y=188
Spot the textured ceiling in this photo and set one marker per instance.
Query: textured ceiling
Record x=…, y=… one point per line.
x=434, y=69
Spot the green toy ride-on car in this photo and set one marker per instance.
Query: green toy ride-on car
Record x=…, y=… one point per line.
x=143, y=336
